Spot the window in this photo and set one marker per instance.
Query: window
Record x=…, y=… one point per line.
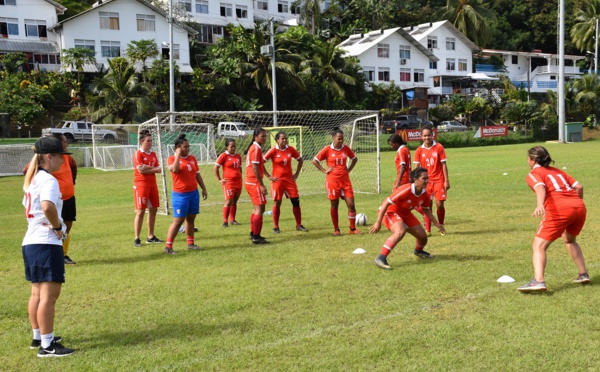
x=241, y=11
x=89, y=44
x=462, y=65
x=109, y=21
x=419, y=75
x=209, y=34
x=515, y=60
x=165, y=52
x=226, y=10
x=35, y=28
x=110, y=48
x=283, y=6
x=450, y=43
x=383, y=74
x=202, y=6
x=405, y=74
x=9, y=26
x=433, y=65
x=262, y=5
x=432, y=42
x=8, y=2
x=186, y=4
x=369, y=73
x=450, y=64
x=405, y=51
x=46, y=59
x=145, y=22
x=383, y=51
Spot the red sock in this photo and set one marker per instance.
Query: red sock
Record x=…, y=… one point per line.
x=169, y=244
x=418, y=246
x=297, y=215
x=427, y=224
x=232, y=211
x=334, y=218
x=352, y=219
x=388, y=246
x=190, y=240
x=258, y=220
x=252, y=224
x=226, y=211
x=441, y=213
x=276, y=214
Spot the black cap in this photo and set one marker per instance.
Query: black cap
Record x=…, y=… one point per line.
x=49, y=145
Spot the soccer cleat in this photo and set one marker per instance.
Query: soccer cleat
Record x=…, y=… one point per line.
x=153, y=239
x=337, y=232
x=169, y=251
x=38, y=343
x=442, y=233
x=422, y=254
x=137, y=243
x=69, y=261
x=193, y=247
x=259, y=240
x=381, y=261
x=428, y=233
x=234, y=222
x=54, y=350
x=301, y=228
x=582, y=279
x=182, y=229
x=533, y=286
x=276, y=230
x=355, y=232
x=225, y=224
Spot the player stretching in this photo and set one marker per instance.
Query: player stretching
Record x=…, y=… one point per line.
x=395, y=213
x=231, y=162
x=284, y=180
x=402, y=160
x=337, y=182
x=431, y=156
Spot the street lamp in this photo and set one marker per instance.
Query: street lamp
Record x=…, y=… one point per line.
x=270, y=50
x=171, y=72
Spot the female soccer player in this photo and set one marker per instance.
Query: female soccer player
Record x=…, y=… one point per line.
x=284, y=179
x=337, y=181
x=184, y=196
x=395, y=212
x=255, y=171
x=560, y=203
x=432, y=156
x=42, y=246
x=145, y=191
x=231, y=180
x=402, y=160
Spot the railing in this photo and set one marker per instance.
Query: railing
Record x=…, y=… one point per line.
x=479, y=67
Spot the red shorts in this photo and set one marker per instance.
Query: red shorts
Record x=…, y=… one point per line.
x=284, y=186
x=232, y=189
x=436, y=190
x=553, y=225
x=256, y=195
x=145, y=197
x=391, y=218
x=337, y=188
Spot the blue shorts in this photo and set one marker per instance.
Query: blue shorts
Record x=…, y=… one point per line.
x=185, y=203
x=44, y=263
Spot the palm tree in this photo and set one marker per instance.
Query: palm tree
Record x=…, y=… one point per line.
x=310, y=12
x=588, y=94
x=78, y=57
x=120, y=98
x=550, y=108
x=141, y=50
x=471, y=17
x=584, y=30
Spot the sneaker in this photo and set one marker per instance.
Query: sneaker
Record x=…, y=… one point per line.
x=234, y=222
x=225, y=224
x=153, y=239
x=137, y=243
x=69, y=261
x=276, y=230
x=582, y=279
x=381, y=262
x=35, y=344
x=337, y=232
x=355, y=232
x=193, y=247
x=259, y=240
x=533, y=286
x=422, y=254
x=169, y=251
x=429, y=233
x=54, y=350
x=301, y=228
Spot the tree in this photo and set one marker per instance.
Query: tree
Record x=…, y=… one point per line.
x=584, y=30
x=471, y=17
x=588, y=94
x=310, y=13
x=12, y=61
x=141, y=50
x=76, y=58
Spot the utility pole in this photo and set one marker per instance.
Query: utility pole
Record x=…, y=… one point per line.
x=171, y=70
x=273, y=74
x=561, y=71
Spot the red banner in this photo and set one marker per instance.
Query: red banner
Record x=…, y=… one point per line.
x=413, y=134
x=491, y=131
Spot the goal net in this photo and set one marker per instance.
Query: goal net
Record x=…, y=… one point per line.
x=13, y=158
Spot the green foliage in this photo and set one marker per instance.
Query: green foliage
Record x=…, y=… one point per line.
x=23, y=100
x=443, y=112
x=141, y=50
x=13, y=61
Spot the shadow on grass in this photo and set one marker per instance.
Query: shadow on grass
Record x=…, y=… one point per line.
x=155, y=254
x=489, y=231
x=464, y=257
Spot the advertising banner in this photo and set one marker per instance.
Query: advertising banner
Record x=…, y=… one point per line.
x=492, y=131
x=413, y=134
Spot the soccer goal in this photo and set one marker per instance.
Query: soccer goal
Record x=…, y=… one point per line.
x=13, y=158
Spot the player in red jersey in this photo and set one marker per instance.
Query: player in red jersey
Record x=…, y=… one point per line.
x=402, y=160
x=231, y=162
x=283, y=181
x=395, y=213
x=337, y=182
x=145, y=191
x=432, y=156
x=255, y=171
x=560, y=203
x=184, y=195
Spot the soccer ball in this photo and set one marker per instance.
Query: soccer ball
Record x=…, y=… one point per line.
x=361, y=219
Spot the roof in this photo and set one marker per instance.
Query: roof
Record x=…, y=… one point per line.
x=27, y=46
x=58, y=6
x=357, y=44
x=425, y=29
x=528, y=54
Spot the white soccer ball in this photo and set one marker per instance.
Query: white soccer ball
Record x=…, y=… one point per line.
x=361, y=219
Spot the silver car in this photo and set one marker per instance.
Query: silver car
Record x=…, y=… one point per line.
x=451, y=126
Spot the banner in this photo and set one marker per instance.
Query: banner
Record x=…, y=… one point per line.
x=492, y=131
x=413, y=134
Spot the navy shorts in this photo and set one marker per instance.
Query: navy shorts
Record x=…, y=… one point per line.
x=69, y=211
x=185, y=203
x=44, y=263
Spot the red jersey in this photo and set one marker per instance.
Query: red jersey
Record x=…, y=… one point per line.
x=403, y=158
x=254, y=157
x=282, y=161
x=147, y=158
x=231, y=165
x=404, y=199
x=185, y=179
x=432, y=159
x=560, y=193
x=336, y=159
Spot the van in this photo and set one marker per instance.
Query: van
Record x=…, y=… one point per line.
x=233, y=129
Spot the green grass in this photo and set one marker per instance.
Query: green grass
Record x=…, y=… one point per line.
x=305, y=302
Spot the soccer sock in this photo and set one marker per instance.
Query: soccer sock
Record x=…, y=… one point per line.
x=232, y=211
x=276, y=214
x=36, y=334
x=47, y=339
x=388, y=246
x=169, y=244
x=441, y=213
x=352, y=219
x=334, y=218
x=190, y=240
x=297, y=215
x=427, y=224
x=418, y=246
x=259, y=223
x=226, y=212
x=253, y=224
x=66, y=244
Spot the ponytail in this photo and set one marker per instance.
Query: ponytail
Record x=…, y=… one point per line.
x=33, y=167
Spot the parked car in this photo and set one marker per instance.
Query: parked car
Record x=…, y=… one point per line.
x=81, y=131
x=387, y=127
x=233, y=129
x=411, y=122
x=451, y=126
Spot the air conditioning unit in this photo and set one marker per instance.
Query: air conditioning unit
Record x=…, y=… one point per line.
x=402, y=61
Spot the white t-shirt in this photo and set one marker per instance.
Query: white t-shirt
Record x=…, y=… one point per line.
x=43, y=187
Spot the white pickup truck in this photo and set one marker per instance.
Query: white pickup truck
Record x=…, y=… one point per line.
x=81, y=131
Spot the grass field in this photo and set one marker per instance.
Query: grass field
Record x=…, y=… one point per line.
x=305, y=302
